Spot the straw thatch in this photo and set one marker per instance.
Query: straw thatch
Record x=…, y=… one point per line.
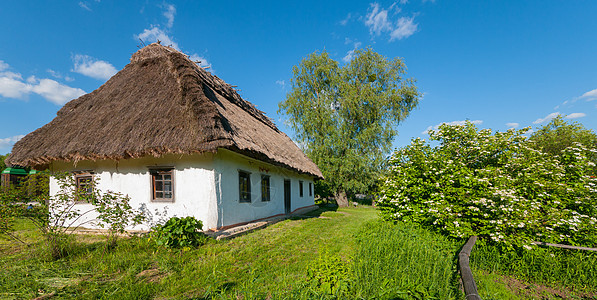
x=160, y=103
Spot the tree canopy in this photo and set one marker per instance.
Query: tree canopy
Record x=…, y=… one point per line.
x=558, y=134
x=2, y=164
x=346, y=116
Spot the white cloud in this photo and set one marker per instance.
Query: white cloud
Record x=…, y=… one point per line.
x=13, y=86
x=56, y=92
x=203, y=62
x=89, y=66
x=350, y=54
x=54, y=73
x=513, y=125
x=575, y=115
x=9, y=141
x=547, y=118
x=84, y=5
x=155, y=34
x=590, y=95
x=405, y=27
x=3, y=66
x=462, y=122
x=169, y=14
x=32, y=79
x=281, y=83
x=378, y=21
x=345, y=21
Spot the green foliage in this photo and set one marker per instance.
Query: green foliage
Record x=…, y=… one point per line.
x=495, y=186
x=58, y=216
x=14, y=202
x=2, y=164
x=570, y=269
x=346, y=116
x=8, y=211
x=179, y=233
x=557, y=135
x=115, y=213
x=330, y=275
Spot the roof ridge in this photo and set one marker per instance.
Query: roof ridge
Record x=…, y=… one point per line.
x=214, y=82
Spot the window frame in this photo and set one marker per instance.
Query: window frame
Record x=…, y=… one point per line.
x=162, y=171
x=301, y=186
x=267, y=196
x=244, y=196
x=80, y=176
x=310, y=189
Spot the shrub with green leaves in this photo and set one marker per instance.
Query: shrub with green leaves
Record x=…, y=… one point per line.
x=330, y=275
x=494, y=185
x=179, y=233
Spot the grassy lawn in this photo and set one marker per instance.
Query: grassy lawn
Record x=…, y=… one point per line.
x=269, y=262
x=383, y=260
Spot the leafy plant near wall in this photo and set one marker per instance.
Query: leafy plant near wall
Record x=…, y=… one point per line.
x=58, y=216
x=179, y=233
x=116, y=214
x=330, y=275
x=495, y=185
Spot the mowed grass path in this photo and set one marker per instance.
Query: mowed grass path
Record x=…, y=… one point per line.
x=271, y=262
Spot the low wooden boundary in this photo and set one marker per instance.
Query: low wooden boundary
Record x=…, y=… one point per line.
x=564, y=246
x=468, y=283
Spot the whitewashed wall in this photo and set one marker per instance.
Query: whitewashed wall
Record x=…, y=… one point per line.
x=205, y=186
x=232, y=211
x=194, y=189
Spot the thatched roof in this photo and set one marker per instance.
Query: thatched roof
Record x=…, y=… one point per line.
x=160, y=103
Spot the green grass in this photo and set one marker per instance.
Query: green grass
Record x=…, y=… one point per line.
x=404, y=261
x=385, y=261
x=269, y=262
x=536, y=272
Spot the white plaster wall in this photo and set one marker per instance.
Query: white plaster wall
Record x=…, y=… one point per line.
x=194, y=189
x=232, y=211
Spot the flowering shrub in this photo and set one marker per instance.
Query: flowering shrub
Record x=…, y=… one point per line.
x=494, y=185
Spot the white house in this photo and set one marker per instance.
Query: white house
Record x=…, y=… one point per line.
x=167, y=133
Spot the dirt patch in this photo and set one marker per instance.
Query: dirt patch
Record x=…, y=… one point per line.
x=151, y=275
x=538, y=291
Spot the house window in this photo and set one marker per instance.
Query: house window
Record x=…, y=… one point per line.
x=162, y=185
x=244, y=186
x=84, y=183
x=301, y=188
x=310, y=189
x=265, y=190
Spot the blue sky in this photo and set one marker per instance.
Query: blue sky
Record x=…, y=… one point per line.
x=500, y=64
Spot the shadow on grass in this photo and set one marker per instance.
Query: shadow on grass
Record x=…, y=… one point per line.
x=316, y=213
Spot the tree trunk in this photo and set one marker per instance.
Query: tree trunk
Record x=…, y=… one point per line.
x=341, y=198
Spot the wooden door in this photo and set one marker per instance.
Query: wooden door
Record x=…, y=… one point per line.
x=287, y=196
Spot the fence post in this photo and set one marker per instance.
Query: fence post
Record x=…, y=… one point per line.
x=468, y=283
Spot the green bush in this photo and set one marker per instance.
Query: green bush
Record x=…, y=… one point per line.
x=179, y=233
x=494, y=185
x=330, y=275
